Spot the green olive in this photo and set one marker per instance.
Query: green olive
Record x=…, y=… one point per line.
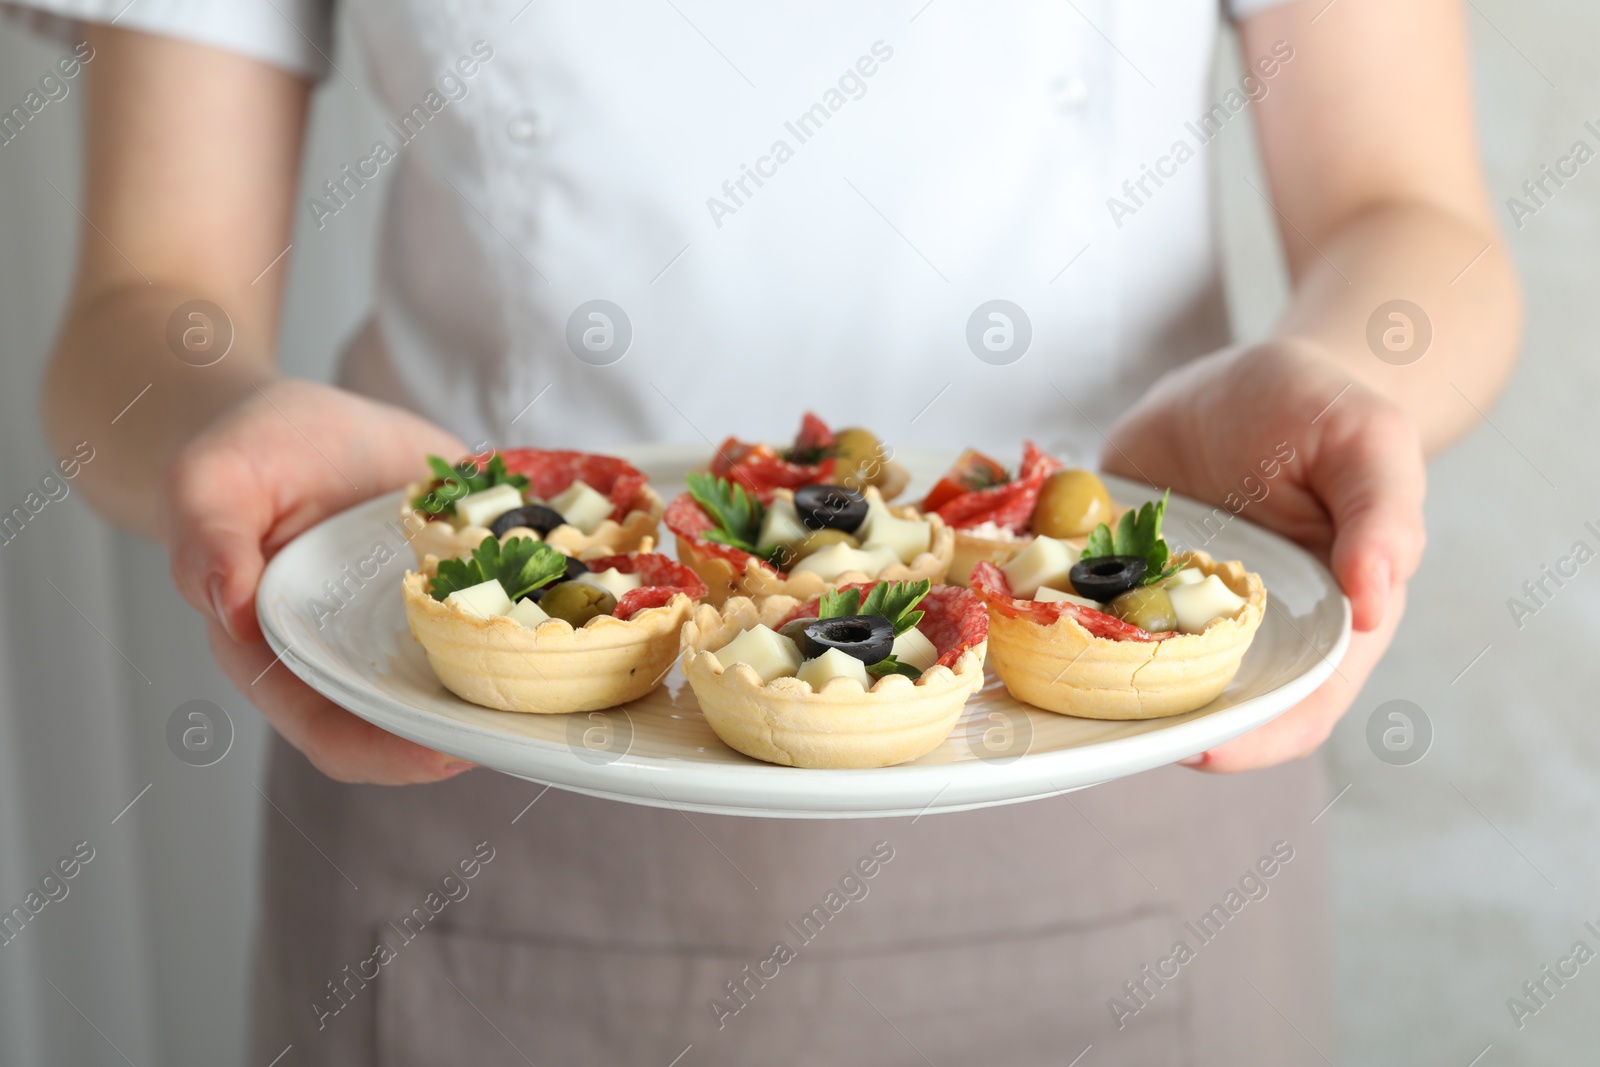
x=858, y=458
x=1147, y=607
x=577, y=602
x=822, y=539
x=1071, y=504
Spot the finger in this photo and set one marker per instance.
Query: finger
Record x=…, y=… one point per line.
x=1302, y=729
x=215, y=518
x=339, y=744
x=1370, y=476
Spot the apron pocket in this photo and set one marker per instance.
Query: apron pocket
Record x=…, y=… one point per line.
x=1027, y=997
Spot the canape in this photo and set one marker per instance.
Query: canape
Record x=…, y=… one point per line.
x=586, y=505
x=867, y=676
x=995, y=515
x=1122, y=630
x=801, y=541
x=521, y=627
x=853, y=457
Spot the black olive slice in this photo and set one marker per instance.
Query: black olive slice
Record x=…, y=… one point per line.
x=869, y=638
x=830, y=507
x=536, y=517
x=1104, y=578
x=794, y=630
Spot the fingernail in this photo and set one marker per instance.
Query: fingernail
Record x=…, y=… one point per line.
x=1196, y=761
x=453, y=767
x=218, y=606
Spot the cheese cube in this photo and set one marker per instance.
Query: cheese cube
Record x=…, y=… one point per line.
x=1046, y=561
x=769, y=653
x=528, y=613
x=583, y=506
x=1046, y=595
x=836, y=559
x=908, y=537
x=913, y=647
x=880, y=558
x=612, y=581
x=780, y=526
x=484, y=600
x=834, y=663
x=482, y=508
x=1198, y=603
x=1187, y=576
x=876, y=509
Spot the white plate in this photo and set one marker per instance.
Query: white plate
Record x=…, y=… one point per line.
x=659, y=750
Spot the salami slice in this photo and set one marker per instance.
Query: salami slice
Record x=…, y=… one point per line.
x=663, y=578
x=686, y=518
x=551, y=472
x=989, y=582
x=1009, y=505
x=953, y=619
x=763, y=468
x=814, y=436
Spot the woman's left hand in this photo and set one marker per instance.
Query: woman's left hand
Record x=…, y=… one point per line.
x=1282, y=435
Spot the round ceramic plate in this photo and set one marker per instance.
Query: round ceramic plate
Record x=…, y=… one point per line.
x=330, y=605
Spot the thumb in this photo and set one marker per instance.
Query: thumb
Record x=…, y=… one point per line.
x=213, y=527
x=1370, y=476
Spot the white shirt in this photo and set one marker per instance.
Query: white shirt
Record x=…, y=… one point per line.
x=797, y=208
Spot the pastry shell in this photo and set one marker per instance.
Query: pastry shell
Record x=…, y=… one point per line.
x=891, y=480
x=1063, y=668
x=723, y=579
x=841, y=726
x=441, y=538
x=550, y=669
x=970, y=550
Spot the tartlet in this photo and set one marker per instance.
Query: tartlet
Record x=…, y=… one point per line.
x=1077, y=661
x=988, y=511
x=729, y=571
x=852, y=457
x=554, y=667
x=995, y=515
x=631, y=526
x=842, y=725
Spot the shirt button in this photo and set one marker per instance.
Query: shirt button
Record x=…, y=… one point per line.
x=527, y=127
x=1070, y=94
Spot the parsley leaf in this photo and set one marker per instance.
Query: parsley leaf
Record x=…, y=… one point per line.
x=891, y=600
x=837, y=603
x=521, y=565
x=1138, y=533
x=895, y=601
x=736, y=513
x=891, y=665
x=809, y=457
x=451, y=483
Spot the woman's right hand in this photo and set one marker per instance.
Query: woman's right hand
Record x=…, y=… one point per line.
x=288, y=456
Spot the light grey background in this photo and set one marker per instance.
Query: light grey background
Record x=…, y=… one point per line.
x=1456, y=879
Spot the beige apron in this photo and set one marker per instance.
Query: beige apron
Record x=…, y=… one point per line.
x=454, y=923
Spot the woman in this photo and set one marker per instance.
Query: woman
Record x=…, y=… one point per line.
x=933, y=158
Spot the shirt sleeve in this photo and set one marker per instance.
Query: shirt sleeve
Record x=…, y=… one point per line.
x=296, y=35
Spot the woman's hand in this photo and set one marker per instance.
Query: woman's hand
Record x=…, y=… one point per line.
x=291, y=454
x=1351, y=494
